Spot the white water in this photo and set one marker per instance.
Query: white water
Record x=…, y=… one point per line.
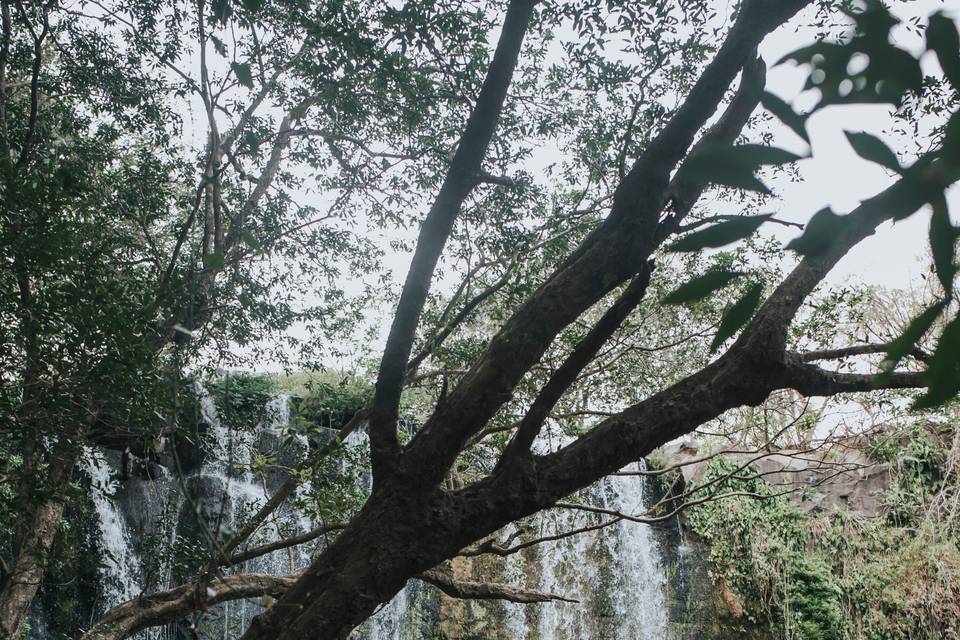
x=121, y=573
x=614, y=572
x=232, y=452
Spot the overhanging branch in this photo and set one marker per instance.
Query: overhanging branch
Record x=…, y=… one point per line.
x=470, y=590
x=606, y=259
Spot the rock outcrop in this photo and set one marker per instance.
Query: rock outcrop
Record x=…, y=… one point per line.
x=828, y=478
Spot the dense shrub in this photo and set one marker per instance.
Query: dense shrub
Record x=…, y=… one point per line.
x=834, y=576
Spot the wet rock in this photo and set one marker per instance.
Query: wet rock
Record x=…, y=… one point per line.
x=205, y=507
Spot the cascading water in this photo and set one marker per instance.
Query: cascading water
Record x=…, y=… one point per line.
x=121, y=574
x=229, y=466
x=641, y=580
x=614, y=572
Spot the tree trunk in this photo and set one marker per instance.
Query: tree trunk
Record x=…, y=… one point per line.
x=396, y=536
x=30, y=556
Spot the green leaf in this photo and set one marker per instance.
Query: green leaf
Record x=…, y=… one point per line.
x=820, y=51
x=242, y=69
x=252, y=6
x=943, y=240
x=737, y=315
x=890, y=73
x=872, y=148
x=942, y=38
x=760, y=154
x=907, y=340
x=701, y=287
x=785, y=114
x=250, y=240
x=221, y=10
x=897, y=72
x=719, y=235
x=219, y=46
x=819, y=234
x=213, y=261
x=252, y=140
x=943, y=371
x=734, y=166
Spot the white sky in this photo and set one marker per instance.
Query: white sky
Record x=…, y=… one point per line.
x=836, y=176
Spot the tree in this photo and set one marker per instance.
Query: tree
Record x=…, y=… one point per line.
x=129, y=254
x=580, y=278
x=410, y=523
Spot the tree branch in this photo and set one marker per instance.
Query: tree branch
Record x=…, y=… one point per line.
x=580, y=357
x=684, y=228
x=160, y=608
x=812, y=380
x=615, y=252
x=858, y=350
x=469, y=590
x=459, y=182
x=767, y=333
x=286, y=543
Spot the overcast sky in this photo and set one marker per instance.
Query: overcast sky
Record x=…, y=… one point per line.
x=836, y=176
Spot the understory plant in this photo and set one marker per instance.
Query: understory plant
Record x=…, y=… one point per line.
x=788, y=574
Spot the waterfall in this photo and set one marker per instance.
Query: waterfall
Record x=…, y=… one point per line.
x=639, y=599
x=121, y=579
x=242, y=493
x=616, y=572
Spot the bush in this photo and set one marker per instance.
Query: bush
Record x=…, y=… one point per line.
x=839, y=576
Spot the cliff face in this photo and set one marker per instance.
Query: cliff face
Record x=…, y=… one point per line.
x=710, y=593
x=838, y=478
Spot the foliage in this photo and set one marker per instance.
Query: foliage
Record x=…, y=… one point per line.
x=140, y=249
x=837, y=575
x=329, y=401
x=242, y=399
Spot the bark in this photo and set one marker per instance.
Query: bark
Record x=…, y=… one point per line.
x=176, y=604
x=21, y=585
x=580, y=357
x=169, y=606
x=471, y=590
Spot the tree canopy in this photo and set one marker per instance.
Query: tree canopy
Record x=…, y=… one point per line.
x=192, y=185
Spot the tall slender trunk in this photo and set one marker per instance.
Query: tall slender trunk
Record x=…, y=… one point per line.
x=30, y=556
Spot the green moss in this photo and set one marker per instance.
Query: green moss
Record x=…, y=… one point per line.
x=812, y=606
x=329, y=403
x=242, y=398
